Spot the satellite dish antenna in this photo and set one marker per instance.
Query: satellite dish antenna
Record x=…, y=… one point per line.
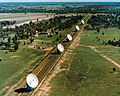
x=32, y=81
x=60, y=48
x=82, y=21
x=77, y=28
x=69, y=37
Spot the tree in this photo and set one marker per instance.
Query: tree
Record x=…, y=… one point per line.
x=9, y=39
x=60, y=35
x=98, y=30
x=15, y=47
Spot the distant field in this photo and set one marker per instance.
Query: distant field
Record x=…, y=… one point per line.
x=90, y=74
x=111, y=51
x=18, y=15
x=90, y=37
x=22, y=18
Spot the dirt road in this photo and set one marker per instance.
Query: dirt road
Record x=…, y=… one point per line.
x=104, y=56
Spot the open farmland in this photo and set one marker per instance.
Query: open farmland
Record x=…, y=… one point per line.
x=4, y=16
x=21, y=18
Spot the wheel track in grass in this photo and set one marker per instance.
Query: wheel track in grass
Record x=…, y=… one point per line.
x=104, y=56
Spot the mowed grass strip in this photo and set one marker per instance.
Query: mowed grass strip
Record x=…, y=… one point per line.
x=89, y=75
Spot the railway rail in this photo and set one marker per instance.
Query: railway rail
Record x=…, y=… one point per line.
x=45, y=66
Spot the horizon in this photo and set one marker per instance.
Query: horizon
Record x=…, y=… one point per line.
x=58, y=2
x=4, y=1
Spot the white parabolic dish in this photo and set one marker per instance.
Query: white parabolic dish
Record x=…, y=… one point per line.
x=32, y=80
x=77, y=27
x=60, y=47
x=82, y=21
x=69, y=37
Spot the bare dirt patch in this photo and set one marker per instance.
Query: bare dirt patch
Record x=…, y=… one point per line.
x=13, y=56
x=42, y=48
x=5, y=88
x=12, y=88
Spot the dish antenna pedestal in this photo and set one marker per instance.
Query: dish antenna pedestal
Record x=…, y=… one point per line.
x=29, y=88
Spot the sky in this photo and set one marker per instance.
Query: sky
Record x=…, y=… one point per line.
x=59, y=0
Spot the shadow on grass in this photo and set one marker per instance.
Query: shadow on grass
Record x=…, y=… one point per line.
x=22, y=90
x=55, y=53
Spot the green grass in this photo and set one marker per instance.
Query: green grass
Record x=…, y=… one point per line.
x=99, y=81
x=113, y=52
x=11, y=68
x=89, y=36
x=90, y=73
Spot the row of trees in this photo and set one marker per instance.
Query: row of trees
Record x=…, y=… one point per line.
x=103, y=21
x=96, y=22
x=7, y=23
x=110, y=42
x=61, y=8
x=114, y=43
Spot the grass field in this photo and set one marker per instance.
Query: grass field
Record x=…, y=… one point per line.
x=89, y=38
x=99, y=81
x=15, y=63
x=90, y=74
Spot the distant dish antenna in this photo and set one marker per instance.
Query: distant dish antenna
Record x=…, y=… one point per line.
x=82, y=21
x=77, y=28
x=60, y=48
x=32, y=81
x=69, y=37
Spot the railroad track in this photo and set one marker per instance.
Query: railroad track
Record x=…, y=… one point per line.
x=45, y=67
